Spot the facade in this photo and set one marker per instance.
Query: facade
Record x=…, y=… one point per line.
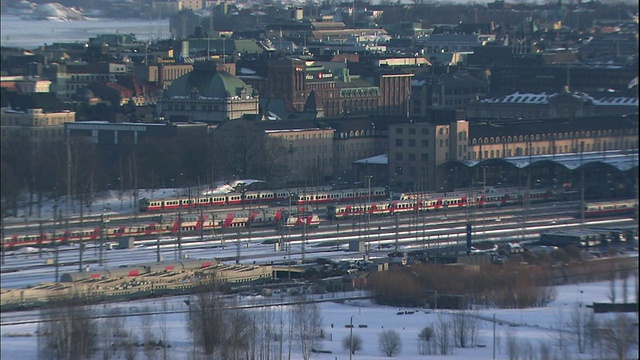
x=117, y=134
x=418, y=149
x=208, y=95
x=26, y=84
x=336, y=92
x=585, y=135
x=286, y=80
x=38, y=118
x=354, y=139
x=69, y=78
x=395, y=91
x=309, y=146
x=162, y=75
x=448, y=90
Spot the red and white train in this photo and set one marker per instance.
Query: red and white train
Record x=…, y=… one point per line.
x=613, y=207
x=186, y=224
x=303, y=197
x=431, y=202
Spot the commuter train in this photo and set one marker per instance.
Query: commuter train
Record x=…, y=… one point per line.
x=612, y=207
x=311, y=196
x=185, y=224
x=435, y=201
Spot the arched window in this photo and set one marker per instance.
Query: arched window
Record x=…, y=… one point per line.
x=520, y=138
x=508, y=138
x=474, y=141
x=486, y=140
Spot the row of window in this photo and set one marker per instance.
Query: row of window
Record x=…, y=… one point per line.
x=424, y=157
x=443, y=130
x=423, y=142
x=519, y=151
x=545, y=137
x=93, y=78
x=325, y=135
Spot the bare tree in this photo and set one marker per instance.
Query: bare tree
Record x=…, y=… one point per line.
x=205, y=315
x=526, y=348
x=443, y=333
x=389, y=342
x=578, y=325
x=131, y=346
x=70, y=329
x=352, y=343
x=307, y=320
x=465, y=329
x=622, y=335
x=112, y=331
x=544, y=351
x=236, y=334
x=513, y=347
x=612, y=284
x=163, y=329
x=559, y=334
x=426, y=341
x=148, y=341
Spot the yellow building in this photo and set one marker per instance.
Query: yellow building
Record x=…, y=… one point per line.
x=37, y=118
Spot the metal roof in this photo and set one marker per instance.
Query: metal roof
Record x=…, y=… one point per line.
x=622, y=160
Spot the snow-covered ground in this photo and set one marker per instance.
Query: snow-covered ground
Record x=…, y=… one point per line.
x=531, y=327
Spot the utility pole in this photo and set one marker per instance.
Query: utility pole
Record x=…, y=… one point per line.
x=351, y=337
x=201, y=224
x=2, y=238
x=101, y=236
x=179, y=235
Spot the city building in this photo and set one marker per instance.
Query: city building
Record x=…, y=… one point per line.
x=208, y=95
x=528, y=106
x=419, y=149
x=35, y=118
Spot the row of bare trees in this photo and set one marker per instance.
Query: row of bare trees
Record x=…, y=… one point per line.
x=42, y=170
x=70, y=329
x=222, y=330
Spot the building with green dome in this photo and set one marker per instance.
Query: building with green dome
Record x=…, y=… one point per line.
x=209, y=95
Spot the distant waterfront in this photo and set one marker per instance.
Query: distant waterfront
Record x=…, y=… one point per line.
x=29, y=34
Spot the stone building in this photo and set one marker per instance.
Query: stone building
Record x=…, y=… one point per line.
x=37, y=118
x=208, y=95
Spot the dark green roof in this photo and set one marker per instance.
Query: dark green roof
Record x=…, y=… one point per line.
x=209, y=83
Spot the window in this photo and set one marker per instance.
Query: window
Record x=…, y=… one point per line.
x=412, y=157
x=424, y=142
x=412, y=142
x=424, y=157
x=398, y=156
x=412, y=131
x=399, y=142
x=425, y=131
x=399, y=130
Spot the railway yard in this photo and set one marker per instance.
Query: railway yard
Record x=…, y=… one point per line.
x=114, y=268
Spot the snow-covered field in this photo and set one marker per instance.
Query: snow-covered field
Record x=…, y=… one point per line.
x=531, y=327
